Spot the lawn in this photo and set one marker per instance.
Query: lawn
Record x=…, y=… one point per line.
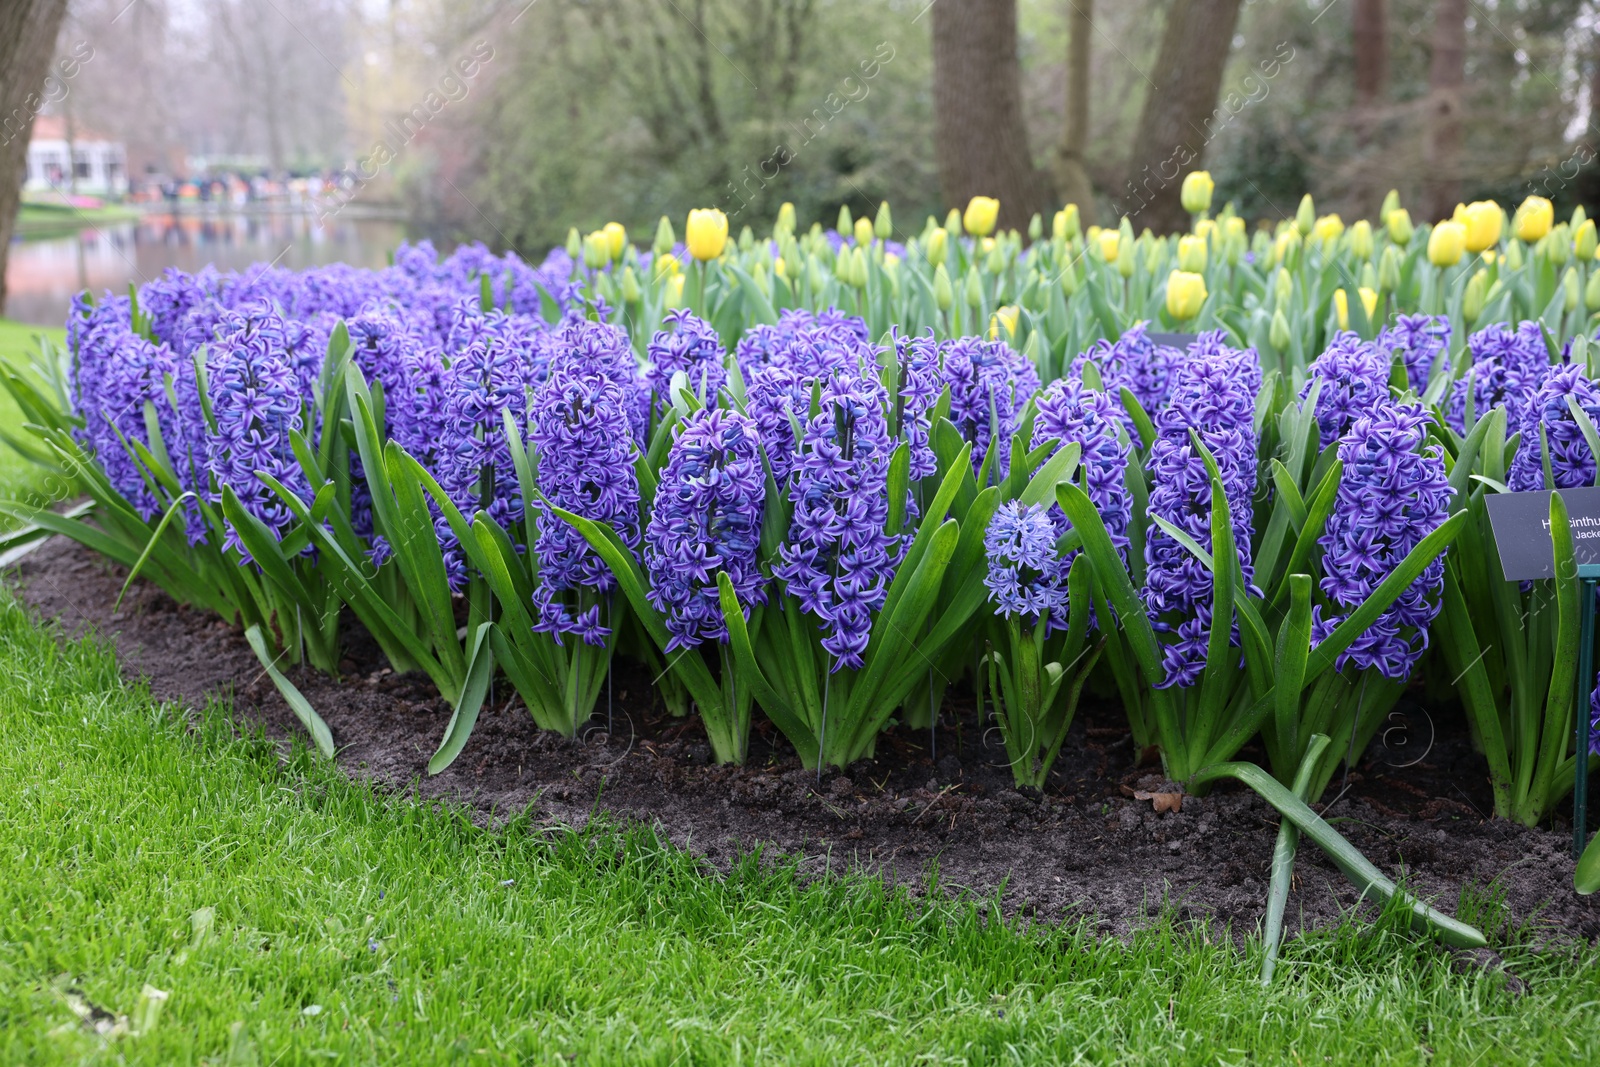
x=18, y=477
x=239, y=903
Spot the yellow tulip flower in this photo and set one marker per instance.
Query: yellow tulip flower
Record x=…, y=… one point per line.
x=1341, y=305
x=707, y=233
x=1534, y=219
x=616, y=237
x=1192, y=253
x=1196, y=191
x=1107, y=240
x=938, y=245
x=1483, y=221
x=1446, y=244
x=1399, y=223
x=980, y=216
x=666, y=265
x=1186, y=294
x=1008, y=317
x=1328, y=228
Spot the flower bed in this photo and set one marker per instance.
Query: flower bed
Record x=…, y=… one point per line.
x=800, y=481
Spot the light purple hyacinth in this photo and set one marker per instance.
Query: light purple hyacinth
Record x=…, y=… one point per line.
x=1026, y=578
x=584, y=462
x=831, y=331
x=1572, y=462
x=706, y=520
x=1353, y=380
x=688, y=345
x=131, y=375
x=990, y=384
x=838, y=560
x=1423, y=342
x=1394, y=492
x=579, y=347
x=1136, y=362
x=917, y=361
x=256, y=402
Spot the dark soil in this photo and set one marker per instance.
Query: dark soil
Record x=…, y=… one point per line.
x=1085, y=848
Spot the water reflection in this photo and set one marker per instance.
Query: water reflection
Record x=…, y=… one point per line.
x=43, y=275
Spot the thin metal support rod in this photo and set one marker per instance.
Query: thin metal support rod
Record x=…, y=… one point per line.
x=1580, y=777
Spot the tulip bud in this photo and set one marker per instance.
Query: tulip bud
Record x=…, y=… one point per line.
x=974, y=289
x=1327, y=229
x=707, y=233
x=1192, y=254
x=780, y=268
x=1065, y=225
x=674, y=292
x=1583, y=241
x=858, y=268
x=1473, y=298
x=863, y=233
x=1533, y=219
x=665, y=266
x=1389, y=270
x=1006, y=317
x=665, y=238
x=1341, y=307
x=980, y=216
x=574, y=244
x=841, y=266
x=1306, y=217
x=616, y=238
x=816, y=276
x=1400, y=229
x=1287, y=244
x=1278, y=335
x=943, y=292
x=1282, y=289
x=1070, y=280
x=883, y=223
x=995, y=261
x=785, y=223
x=1569, y=290
x=1513, y=256
x=596, y=250
x=952, y=223
x=1107, y=241
x=1558, y=245
x=1369, y=301
x=1591, y=292
x=630, y=286
x=1369, y=276
x=1446, y=244
x=1361, y=239
x=1035, y=227
x=1196, y=191
x=846, y=226
x=1484, y=220
x=1391, y=203
x=1125, y=259
x=747, y=239
x=938, y=245
x=1186, y=294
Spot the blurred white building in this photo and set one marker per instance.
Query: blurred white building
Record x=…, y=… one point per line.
x=100, y=165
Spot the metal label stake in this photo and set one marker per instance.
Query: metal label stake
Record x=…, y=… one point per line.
x=1589, y=574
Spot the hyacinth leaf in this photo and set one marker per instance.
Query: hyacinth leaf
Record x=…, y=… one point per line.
x=90, y=537
x=155, y=536
x=1459, y=643
x=1490, y=428
x=1321, y=508
x=899, y=483
x=293, y=697
x=1252, y=627
x=1294, y=647
x=1356, y=867
x=1289, y=496
x=1141, y=419
x=480, y=668
x=1555, y=735
x=1112, y=578
x=1586, y=879
x=777, y=708
x=938, y=508
x=1586, y=425
x=1041, y=489
x=756, y=302
x=1283, y=853
x=264, y=548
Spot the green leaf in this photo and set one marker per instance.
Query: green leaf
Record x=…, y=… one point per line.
x=1283, y=854
x=1345, y=856
x=1294, y=648
x=297, y=702
x=1586, y=879
x=480, y=669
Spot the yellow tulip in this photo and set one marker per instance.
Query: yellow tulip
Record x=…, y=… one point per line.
x=1066, y=224
x=596, y=250
x=1206, y=229
x=863, y=230
x=1446, y=244
x=883, y=224
x=666, y=265
x=1341, y=304
x=1196, y=191
x=1399, y=223
x=617, y=238
x=785, y=223
x=1584, y=243
x=1483, y=221
x=1107, y=240
x=675, y=291
x=1328, y=228
x=1192, y=253
x=1286, y=244
x=1305, y=215
x=1534, y=219
x=1186, y=294
x=1233, y=226
x=780, y=268
x=1361, y=239
x=1006, y=316
x=980, y=216
x=707, y=233
x=938, y=245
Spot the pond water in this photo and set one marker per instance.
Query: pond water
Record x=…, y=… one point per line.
x=43, y=275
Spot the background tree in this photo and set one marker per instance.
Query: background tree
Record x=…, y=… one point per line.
x=28, y=30
x=981, y=138
x=1447, y=74
x=1072, y=173
x=1172, y=137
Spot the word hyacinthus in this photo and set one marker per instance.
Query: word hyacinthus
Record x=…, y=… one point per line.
x=255, y=402
x=579, y=429
x=838, y=560
x=706, y=519
x=1393, y=493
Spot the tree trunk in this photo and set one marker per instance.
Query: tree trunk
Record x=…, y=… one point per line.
x=1447, y=72
x=1179, y=117
x=28, y=30
x=1072, y=176
x=1370, y=30
x=981, y=142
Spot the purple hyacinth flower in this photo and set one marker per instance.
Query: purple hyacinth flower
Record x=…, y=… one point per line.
x=1572, y=462
x=1026, y=578
x=1353, y=379
x=990, y=384
x=688, y=345
x=1423, y=342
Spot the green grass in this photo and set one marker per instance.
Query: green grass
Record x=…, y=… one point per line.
x=20, y=479
x=40, y=219
x=291, y=915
